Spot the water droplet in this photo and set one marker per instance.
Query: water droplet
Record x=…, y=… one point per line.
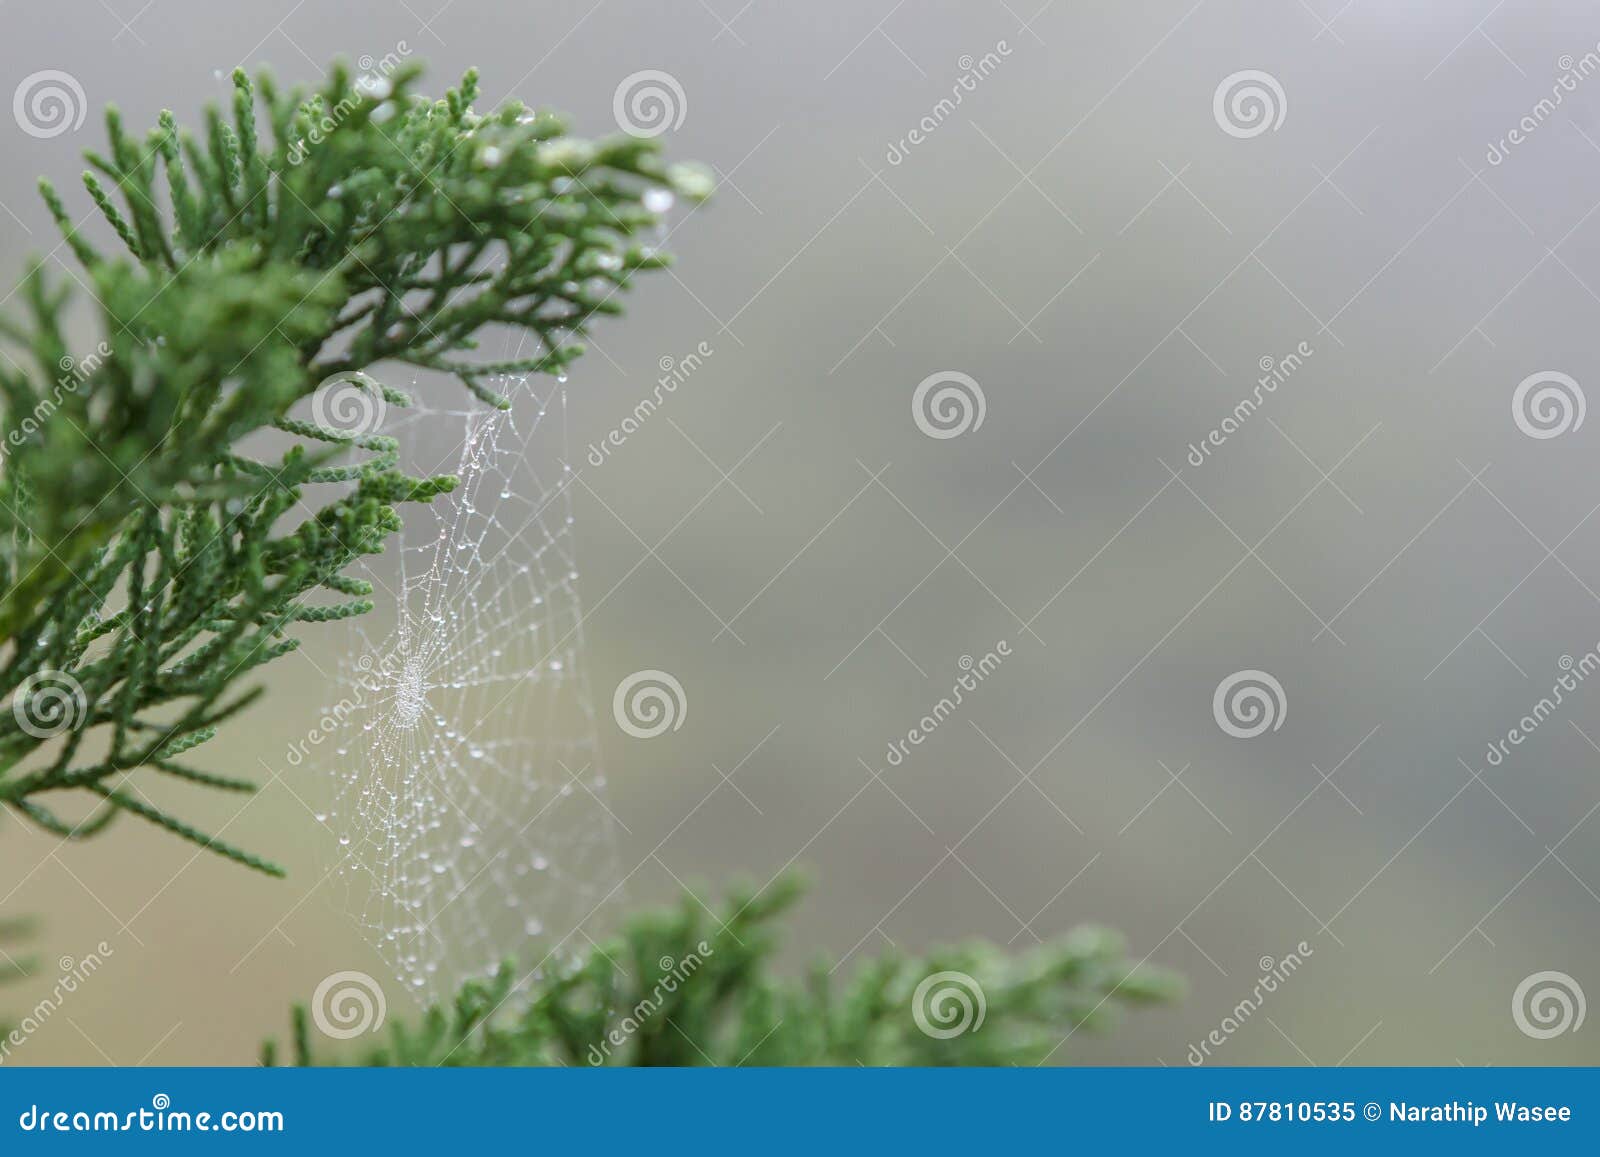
x=659, y=200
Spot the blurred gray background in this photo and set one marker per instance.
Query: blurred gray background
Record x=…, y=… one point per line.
x=1081, y=237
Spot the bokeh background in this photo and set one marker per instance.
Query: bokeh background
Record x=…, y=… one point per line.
x=1083, y=239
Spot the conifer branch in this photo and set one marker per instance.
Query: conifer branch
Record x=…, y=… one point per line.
x=690, y=986
x=148, y=564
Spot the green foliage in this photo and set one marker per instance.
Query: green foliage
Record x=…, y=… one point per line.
x=148, y=563
x=160, y=538
x=690, y=987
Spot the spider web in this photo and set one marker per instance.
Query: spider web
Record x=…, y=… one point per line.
x=469, y=812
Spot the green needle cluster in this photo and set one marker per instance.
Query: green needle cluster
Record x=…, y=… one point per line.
x=150, y=563
x=694, y=986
